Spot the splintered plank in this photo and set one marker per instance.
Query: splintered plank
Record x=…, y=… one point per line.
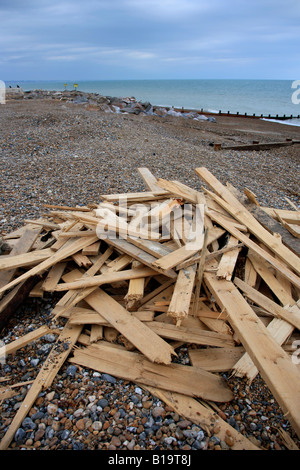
x=96, y=333
x=25, y=259
x=182, y=294
x=178, y=189
x=255, y=296
x=19, y=343
x=24, y=244
x=135, y=288
x=106, y=278
x=191, y=335
x=44, y=379
x=227, y=200
x=186, y=252
x=145, y=340
x=273, y=363
x=216, y=359
x=140, y=255
x=276, y=263
x=68, y=250
x=92, y=250
x=149, y=179
x=134, y=367
x=53, y=277
x=228, y=261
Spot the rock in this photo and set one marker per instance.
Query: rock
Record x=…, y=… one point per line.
x=80, y=424
x=52, y=408
x=20, y=436
x=109, y=379
x=157, y=411
x=97, y=425
x=184, y=424
x=71, y=370
x=27, y=423
x=50, y=338
x=115, y=441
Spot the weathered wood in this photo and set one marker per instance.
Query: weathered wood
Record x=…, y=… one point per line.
x=149, y=179
x=53, y=277
x=25, y=259
x=227, y=200
x=25, y=243
x=19, y=343
x=182, y=294
x=64, y=252
x=274, y=365
x=146, y=341
x=228, y=261
x=268, y=222
x=191, y=335
x=255, y=296
x=276, y=263
x=134, y=367
x=140, y=255
x=106, y=278
x=216, y=359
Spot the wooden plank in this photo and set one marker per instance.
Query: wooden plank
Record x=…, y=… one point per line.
x=178, y=189
x=92, y=250
x=227, y=200
x=25, y=243
x=274, y=284
x=255, y=296
x=140, y=255
x=106, y=278
x=228, y=261
x=135, y=289
x=66, y=251
x=53, y=277
x=216, y=359
x=44, y=379
x=182, y=294
x=149, y=179
x=146, y=341
x=25, y=259
x=259, y=146
x=274, y=365
x=19, y=343
x=274, y=224
x=191, y=335
x=96, y=333
x=276, y=263
x=134, y=367
x=82, y=316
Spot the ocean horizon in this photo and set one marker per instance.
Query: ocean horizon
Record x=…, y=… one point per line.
x=259, y=97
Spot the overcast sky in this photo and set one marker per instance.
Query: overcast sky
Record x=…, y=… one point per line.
x=140, y=39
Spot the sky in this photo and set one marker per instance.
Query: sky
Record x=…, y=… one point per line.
x=149, y=39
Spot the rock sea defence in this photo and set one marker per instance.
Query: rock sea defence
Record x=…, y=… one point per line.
x=112, y=104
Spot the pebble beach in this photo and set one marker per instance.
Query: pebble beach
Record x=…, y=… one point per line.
x=69, y=149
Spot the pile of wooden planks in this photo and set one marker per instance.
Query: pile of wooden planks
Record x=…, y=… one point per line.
x=142, y=274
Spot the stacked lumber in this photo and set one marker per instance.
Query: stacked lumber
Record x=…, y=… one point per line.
x=142, y=274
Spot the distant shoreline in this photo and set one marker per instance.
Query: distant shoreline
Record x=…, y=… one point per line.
x=89, y=98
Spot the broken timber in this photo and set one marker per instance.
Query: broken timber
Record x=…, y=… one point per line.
x=230, y=277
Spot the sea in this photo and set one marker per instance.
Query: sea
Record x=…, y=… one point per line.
x=265, y=98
